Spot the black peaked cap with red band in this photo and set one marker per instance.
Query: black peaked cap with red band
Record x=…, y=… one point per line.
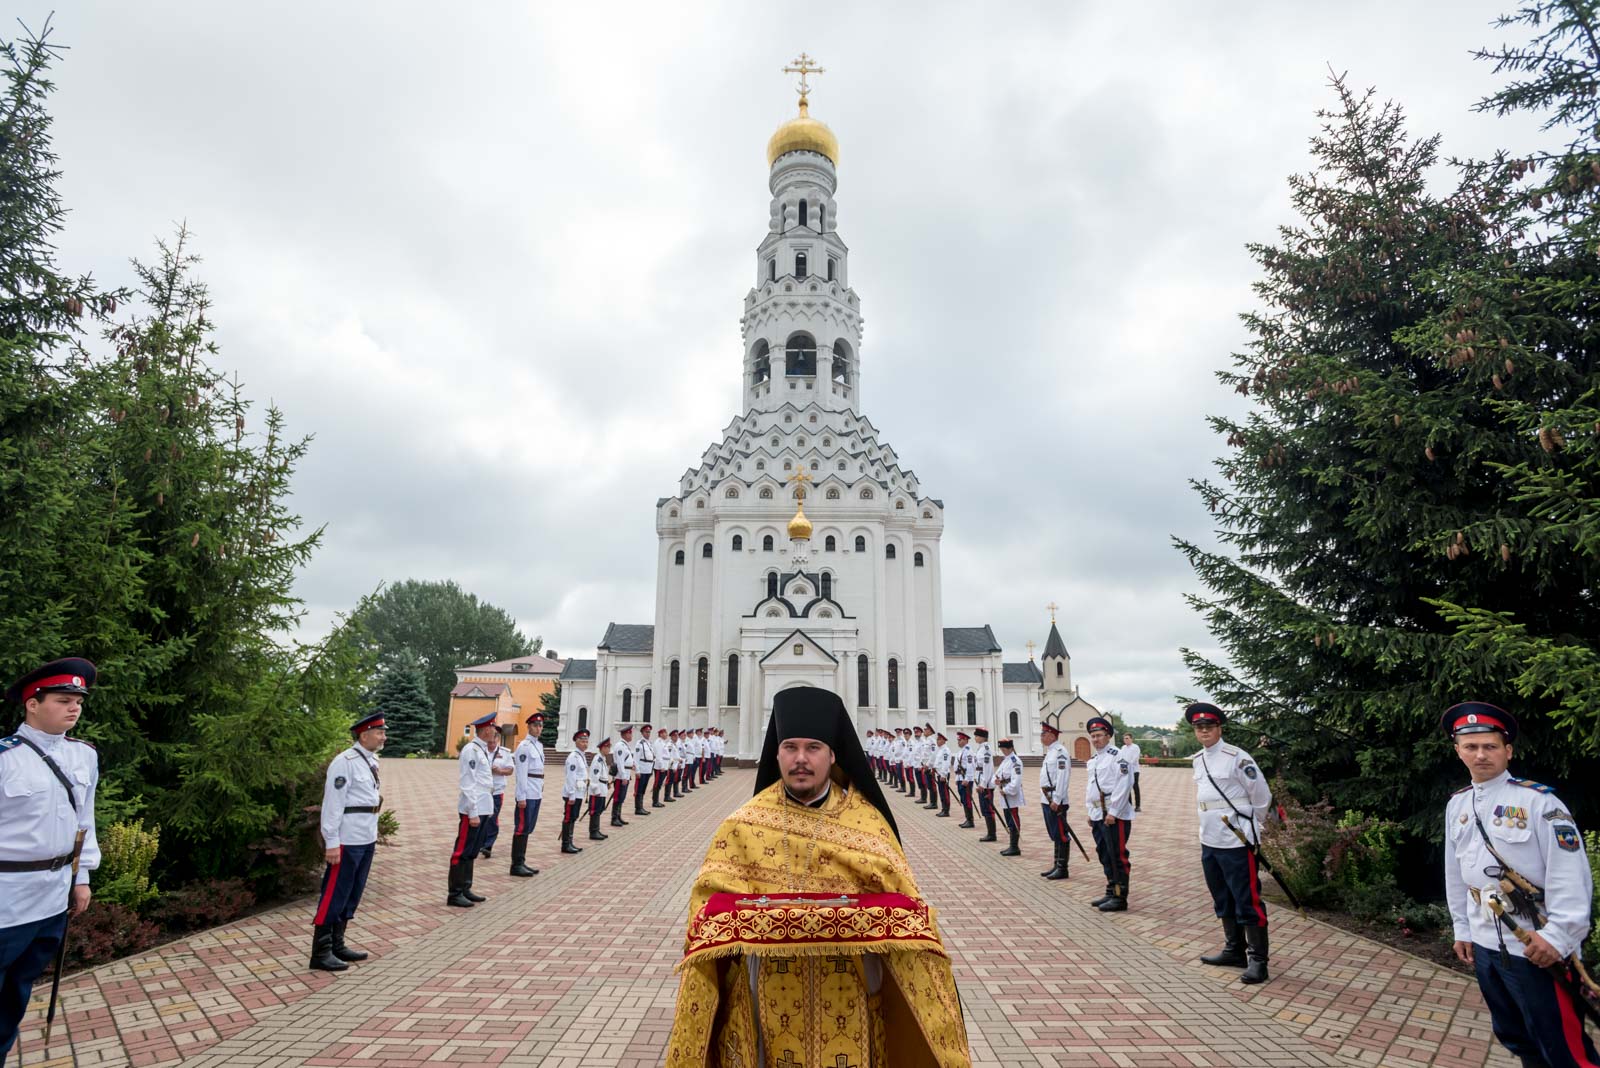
x=1478, y=717
x=366, y=723
x=1099, y=723
x=1202, y=712
x=72, y=674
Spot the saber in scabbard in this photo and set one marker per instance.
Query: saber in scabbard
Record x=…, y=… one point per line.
x=1573, y=975
x=1072, y=836
x=1261, y=860
x=61, y=950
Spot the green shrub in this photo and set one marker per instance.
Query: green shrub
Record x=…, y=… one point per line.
x=388, y=826
x=127, y=852
x=1591, y=844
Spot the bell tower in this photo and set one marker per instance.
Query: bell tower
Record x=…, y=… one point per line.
x=802, y=321
x=1057, y=666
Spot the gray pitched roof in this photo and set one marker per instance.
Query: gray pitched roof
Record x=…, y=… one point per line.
x=629, y=638
x=578, y=669
x=1054, y=646
x=970, y=641
x=1028, y=673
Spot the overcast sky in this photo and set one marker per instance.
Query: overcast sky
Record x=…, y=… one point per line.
x=493, y=257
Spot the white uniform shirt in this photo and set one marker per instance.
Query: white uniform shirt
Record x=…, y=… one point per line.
x=895, y=750
x=599, y=775
x=530, y=769
x=1132, y=754
x=575, y=781
x=944, y=760
x=476, y=792
x=622, y=753
x=966, y=765
x=352, y=781
x=1008, y=781
x=1238, y=780
x=39, y=823
x=664, y=754
x=1055, y=774
x=1535, y=834
x=984, y=766
x=499, y=757
x=644, y=756
x=1111, y=776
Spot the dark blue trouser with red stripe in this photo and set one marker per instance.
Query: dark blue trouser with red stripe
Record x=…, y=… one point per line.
x=25, y=951
x=469, y=843
x=342, y=884
x=1235, y=884
x=1111, y=845
x=493, y=833
x=1532, y=1014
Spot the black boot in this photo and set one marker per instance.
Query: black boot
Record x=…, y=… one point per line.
x=1060, y=871
x=566, y=837
x=519, y=857
x=966, y=821
x=1012, y=850
x=322, y=958
x=1111, y=890
x=340, y=950
x=1056, y=866
x=594, y=826
x=1118, y=901
x=638, y=802
x=616, y=815
x=655, y=793
x=455, y=897
x=464, y=880
x=1232, y=953
x=1256, y=941
x=988, y=824
x=944, y=804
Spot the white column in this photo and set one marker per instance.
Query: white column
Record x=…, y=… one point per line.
x=879, y=661
x=749, y=671
x=908, y=683
x=936, y=655
x=686, y=670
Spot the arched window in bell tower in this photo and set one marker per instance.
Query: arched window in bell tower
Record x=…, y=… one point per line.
x=802, y=218
x=822, y=220
x=863, y=691
x=800, y=355
x=841, y=362
x=761, y=362
x=799, y=264
x=772, y=584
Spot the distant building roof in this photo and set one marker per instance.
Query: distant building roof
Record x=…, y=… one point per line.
x=531, y=665
x=578, y=669
x=629, y=638
x=970, y=641
x=1028, y=672
x=1054, y=646
x=479, y=689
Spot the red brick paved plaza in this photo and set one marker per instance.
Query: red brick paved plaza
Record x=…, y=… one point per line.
x=574, y=967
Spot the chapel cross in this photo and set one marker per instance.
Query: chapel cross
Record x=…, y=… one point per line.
x=803, y=66
x=800, y=478
x=1031, y=647
x=1053, y=607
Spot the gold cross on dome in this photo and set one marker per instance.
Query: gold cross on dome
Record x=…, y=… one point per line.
x=1053, y=609
x=803, y=66
x=1031, y=648
x=800, y=478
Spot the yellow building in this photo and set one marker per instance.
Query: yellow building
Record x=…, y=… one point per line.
x=511, y=688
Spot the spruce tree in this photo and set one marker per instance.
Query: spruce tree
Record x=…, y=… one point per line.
x=401, y=695
x=550, y=705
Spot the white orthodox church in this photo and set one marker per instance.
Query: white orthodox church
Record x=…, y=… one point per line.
x=799, y=550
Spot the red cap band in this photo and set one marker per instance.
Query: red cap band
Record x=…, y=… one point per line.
x=50, y=683
x=1478, y=719
x=1204, y=717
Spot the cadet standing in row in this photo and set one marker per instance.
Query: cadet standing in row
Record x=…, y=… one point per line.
x=644, y=760
x=601, y=771
x=501, y=770
x=983, y=768
x=529, y=794
x=622, y=764
x=966, y=770
x=349, y=818
x=1110, y=813
x=944, y=761
x=1055, y=776
x=1008, y=794
x=1233, y=798
x=574, y=789
x=474, y=804
x=47, y=841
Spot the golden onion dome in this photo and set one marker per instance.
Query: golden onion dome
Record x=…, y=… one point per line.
x=800, y=526
x=803, y=134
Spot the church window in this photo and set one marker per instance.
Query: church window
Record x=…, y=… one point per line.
x=863, y=692
x=673, y=514
x=825, y=614
x=822, y=217
x=672, y=686
x=830, y=543
x=678, y=557
x=888, y=551
x=766, y=493
x=647, y=706
x=841, y=465
x=894, y=683
x=827, y=443
x=972, y=708
x=899, y=506
x=866, y=494
x=772, y=270
x=705, y=550
x=788, y=465
x=702, y=677
x=774, y=441
x=799, y=264
x=1058, y=669
x=766, y=543
x=825, y=581
x=732, y=493
x=949, y=707
x=627, y=705
x=927, y=515
x=802, y=217
x=773, y=613
x=1016, y=727
x=833, y=493
x=801, y=442
x=814, y=465
x=800, y=355
x=916, y=559
x=922, y=685
x=788, y=417
x=761, y=465
x=733, y=679
x=738, y=543
x=861, y=544
x=700, y=502
x=833, y=268
x=583, y=719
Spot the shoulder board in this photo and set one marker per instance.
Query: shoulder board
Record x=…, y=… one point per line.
x=1530, y=784
x=1196, y=755
x=1461, y=791
x=1111, y=750
x=80, y=741
x=9, y=743
x=1231, y=750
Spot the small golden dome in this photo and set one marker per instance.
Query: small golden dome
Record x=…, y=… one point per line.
x=803, y=134
x=800, y=526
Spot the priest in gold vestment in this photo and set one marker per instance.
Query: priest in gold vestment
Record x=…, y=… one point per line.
x=809, y=945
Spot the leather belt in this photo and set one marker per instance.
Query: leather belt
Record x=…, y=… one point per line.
x=531, y=775
x=53, y=864
x=1207, y=806
x=361, y=808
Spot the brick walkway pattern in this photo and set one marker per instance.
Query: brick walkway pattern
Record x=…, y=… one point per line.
x=574, y=967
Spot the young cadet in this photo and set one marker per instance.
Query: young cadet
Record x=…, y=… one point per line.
x=1501, y=823
x=601, y=770
x=944, y=761
x=474, y=804
x=663, y=769
x=1232, y=793
x=1008, y=794
x=622, y=766
x=502, y=771
x=983, y=766
x=965, y=768
x=350, y=806
x=930, y=756
x=574, y=790
x=1055, y=775
x=644, y=759
x=674, y=766
x=1110, y=813
x=529, y=794
x=48, y=782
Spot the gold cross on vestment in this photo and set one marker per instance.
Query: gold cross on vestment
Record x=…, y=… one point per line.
x=803, y=66
x=800, y=478
x=789, y=1061
x=1052, y=607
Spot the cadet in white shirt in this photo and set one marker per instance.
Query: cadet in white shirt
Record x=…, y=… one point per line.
x=474, y=804
x=529, y=794
x=1109, y=797
x=1502, y=824
x=602, y=769
x=1008, y=794
x=350, y=806
x=644, y=759
x=944, y=762
x=1131, y=750
x=674, y=761
x=622, y=762
x=574, y=790
x=919, y=787
x=930, y=750
x=983, y=780
x=965, y=770
x=663, y=750
x=49, y=783
x=1233, y=796
x=501, y=772
x=1055, y=775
